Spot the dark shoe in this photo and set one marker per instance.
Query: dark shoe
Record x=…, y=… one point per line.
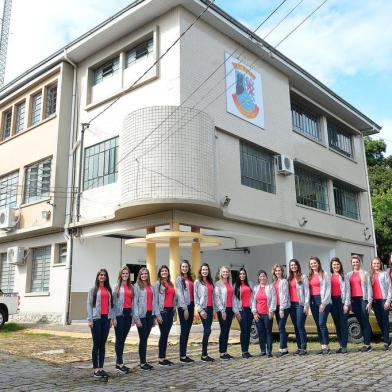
x=150, y=366
x=263, y=354
x=225, y=357
x=97, y=375
x=282, y=353
x=207, y=359
x=122, y=369
x=146, y=367
x=339, y=351
x=104, y=374
x=386, y=347
x=246, y=355
x=297, y=352
x=164, y=363
x=269, y=355
x=366, y=349
x=230, y=356
x=186, y=360
x=169, y=362
x=344, y=350
x=326, y=351
x=303, y=352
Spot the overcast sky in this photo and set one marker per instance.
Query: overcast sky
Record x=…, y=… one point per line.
x=347, y=44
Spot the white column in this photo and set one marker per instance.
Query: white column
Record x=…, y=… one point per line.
x=288, y=247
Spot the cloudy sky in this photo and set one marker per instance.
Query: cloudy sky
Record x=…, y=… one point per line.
x=346, y=44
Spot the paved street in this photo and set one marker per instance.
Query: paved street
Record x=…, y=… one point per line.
x=351, y=372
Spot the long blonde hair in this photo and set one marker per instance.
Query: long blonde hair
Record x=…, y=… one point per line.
x=139, y=279
x=372, y=269
x=119, y=280
x=361, y=271
x=220, y=274
x=274, y=267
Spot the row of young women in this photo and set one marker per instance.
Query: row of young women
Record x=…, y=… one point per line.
x=144, y=305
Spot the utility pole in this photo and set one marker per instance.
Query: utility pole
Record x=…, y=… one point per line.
x=5, y=30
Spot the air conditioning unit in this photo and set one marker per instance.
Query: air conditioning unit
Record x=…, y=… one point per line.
x=285, y=165
x=7, y=218
x=15, y=255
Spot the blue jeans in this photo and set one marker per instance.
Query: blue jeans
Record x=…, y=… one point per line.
x=144, y=333
x=320, y=318
x=225, y=326
x=245, y=325
x=124, y=323
x=298, y=318
x=264, y=329
x=186, y=326
x=282, y=326
x=382, y=317
x=100, y=332
x=358, y=305
x=207, y=329
x=167, y=322
x=340, y=321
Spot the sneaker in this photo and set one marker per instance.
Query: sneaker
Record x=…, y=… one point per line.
x=207, y=359
x=282, y=353
x=150, y=366
x=225, y=357
x=122, y=369
x=146, y=367
x=344, y=350
x=339, y=350
x=263, y=354
x=165, y=362
x=366, y=349
x=269, y=355
x=97, y=375
x=246, y=355
x=297, y=352
x=186, y=360
x=386, y=347
x=169, y=362
x=326, y=351
x=302, y=352
x=104, y=374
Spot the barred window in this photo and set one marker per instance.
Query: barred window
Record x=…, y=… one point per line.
x=305, y=122
x=100, y=164
x=9, y=189
x=51, y=100
x=107, y=70
x=7, y=274
x=142, y=50
x=20, y=117
x=339, y=140
x=7, y=121
x=257, y=168
x=311, y=189
x=40, y=269
x=37, y=181
x=36, y=108
x=346, y=202
x=62, y=254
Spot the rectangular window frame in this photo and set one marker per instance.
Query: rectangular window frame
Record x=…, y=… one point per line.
x=9, y=185
x=257, y=168
x=343, y=205
x=61, y=254
x=107, y=70
x=7, y=275
x=40, y=269
x=306, y=122
x=36, y=108
x=20, y=116
x=6, y=127
x=51, y=100
x=139, y=52
x=340, y=140
x=37, y=181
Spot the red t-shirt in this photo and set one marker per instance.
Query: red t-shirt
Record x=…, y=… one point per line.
x=229, y=295
x=127, y=297
x=169, y=296
x=191, y=293
x=377, y=292
x=335, y=285
x=293, y=290
x=356, y=285
x=149, y=298
x=210, y=290
x=314, y=285
x=246, y=293
x=104, y=301
x=276, y=286
x=261, y=301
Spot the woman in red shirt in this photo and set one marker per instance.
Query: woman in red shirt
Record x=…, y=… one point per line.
x=165, y=301
x=123, y=296
x=100, y=316
x=263, y=308
x=381, y=286
x=243, y=295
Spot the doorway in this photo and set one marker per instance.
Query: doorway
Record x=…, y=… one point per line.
x=134, y=270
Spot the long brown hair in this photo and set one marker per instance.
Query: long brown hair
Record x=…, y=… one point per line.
x=336, y=260
x=361, y=272
x=139, y=281
x=299, y=273
x=119, y=280
x=274, y=267
x=319, y=267
x=106, y=285
x=161, y=280
x=372, y=269
x=208, y=277
x=188, y=274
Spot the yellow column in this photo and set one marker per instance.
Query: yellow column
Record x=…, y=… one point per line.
x=151, y=257
x=196, y=256
x=174, y=253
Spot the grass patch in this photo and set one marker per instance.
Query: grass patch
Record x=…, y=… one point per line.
x=11, y=327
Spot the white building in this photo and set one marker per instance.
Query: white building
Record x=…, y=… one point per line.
x=258, y=154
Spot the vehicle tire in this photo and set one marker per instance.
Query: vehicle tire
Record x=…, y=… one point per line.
x=354, y=331
x=2, y=316
x=254, y=336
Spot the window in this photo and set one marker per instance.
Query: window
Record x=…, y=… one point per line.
x=142, y=50
x=107, y=70
x=339, y=140
x=346, y=202
x=311, y=189
x=305, y=122
x=62, y=254
x=40, y=269
x=100, y=164
x=7, y=121
x=20, y=117
x=7, y=274
x=37, y=181
x=51, y=100
x=36, y=108
x=257, y=168
x=9, y=190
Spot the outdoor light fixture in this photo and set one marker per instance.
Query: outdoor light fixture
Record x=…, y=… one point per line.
x=302, y=221
x=46, y=214
x=366, y=233
x=225, y=201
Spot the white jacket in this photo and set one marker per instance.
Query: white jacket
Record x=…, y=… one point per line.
x=271, y=298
